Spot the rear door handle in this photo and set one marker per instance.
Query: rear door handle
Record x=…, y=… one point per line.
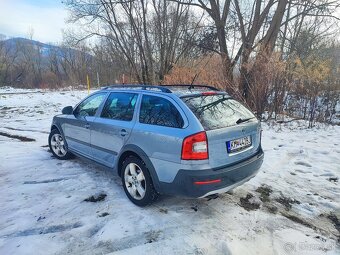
x=123, y=132
x=87, y=126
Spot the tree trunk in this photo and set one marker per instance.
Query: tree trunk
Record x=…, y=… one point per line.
x=226, y=61
x=266, y=50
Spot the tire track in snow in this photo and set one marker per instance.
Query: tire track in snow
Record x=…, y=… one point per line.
x=44, y=230
x=29, y=130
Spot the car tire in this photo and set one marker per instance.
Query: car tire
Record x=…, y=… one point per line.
x=137, y=182
x=58, y=145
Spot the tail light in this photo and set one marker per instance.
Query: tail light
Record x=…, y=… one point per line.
x=195, y=147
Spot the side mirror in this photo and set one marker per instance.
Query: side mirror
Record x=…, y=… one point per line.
x=67, y=110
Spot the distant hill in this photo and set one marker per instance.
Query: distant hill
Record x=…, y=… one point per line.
x=32, y=64
x=21, y=45
x=18, y=42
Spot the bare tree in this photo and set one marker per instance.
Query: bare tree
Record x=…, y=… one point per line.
x=256, y=27
x=8, y=57
x=150, y=35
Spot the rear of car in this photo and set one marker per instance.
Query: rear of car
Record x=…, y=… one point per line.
x=188, y=142
x=224, y=153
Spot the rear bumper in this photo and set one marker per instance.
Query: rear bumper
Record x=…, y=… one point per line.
x=230, y=177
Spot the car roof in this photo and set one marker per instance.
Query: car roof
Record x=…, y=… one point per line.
x=178, y=90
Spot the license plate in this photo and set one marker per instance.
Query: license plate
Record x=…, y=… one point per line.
x=239, y=144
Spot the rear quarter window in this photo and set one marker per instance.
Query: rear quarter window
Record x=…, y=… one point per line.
x=217, y=111
x=159, y=111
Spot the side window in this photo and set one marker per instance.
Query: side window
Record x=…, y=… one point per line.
x=90, y=105
x=159, y=111
x=119, y=106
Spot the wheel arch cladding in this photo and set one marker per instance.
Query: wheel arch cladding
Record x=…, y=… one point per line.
x=57, y=127
x=122, y=157
x=134, y=150
x=54, y=126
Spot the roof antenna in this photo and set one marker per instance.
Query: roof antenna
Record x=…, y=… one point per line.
x=193, y=80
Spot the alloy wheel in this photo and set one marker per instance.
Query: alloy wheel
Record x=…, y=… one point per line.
x=135, y=181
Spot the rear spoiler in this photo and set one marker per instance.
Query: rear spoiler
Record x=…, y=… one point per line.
x=206, y=93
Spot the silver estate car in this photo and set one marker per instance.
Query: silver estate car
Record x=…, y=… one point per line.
x=190, y=140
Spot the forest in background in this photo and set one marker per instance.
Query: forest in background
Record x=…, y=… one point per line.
x=277, y=56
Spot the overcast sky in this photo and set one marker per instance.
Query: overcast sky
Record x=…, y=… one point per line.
x=45, y=17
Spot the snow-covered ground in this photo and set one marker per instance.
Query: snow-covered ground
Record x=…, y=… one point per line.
x=291, y=207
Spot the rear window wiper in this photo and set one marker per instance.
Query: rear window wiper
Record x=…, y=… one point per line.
x=243, y=120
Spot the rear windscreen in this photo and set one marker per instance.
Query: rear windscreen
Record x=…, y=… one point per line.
x=217, y=111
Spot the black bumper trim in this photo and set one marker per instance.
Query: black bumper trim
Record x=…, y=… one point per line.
x=183, y=184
